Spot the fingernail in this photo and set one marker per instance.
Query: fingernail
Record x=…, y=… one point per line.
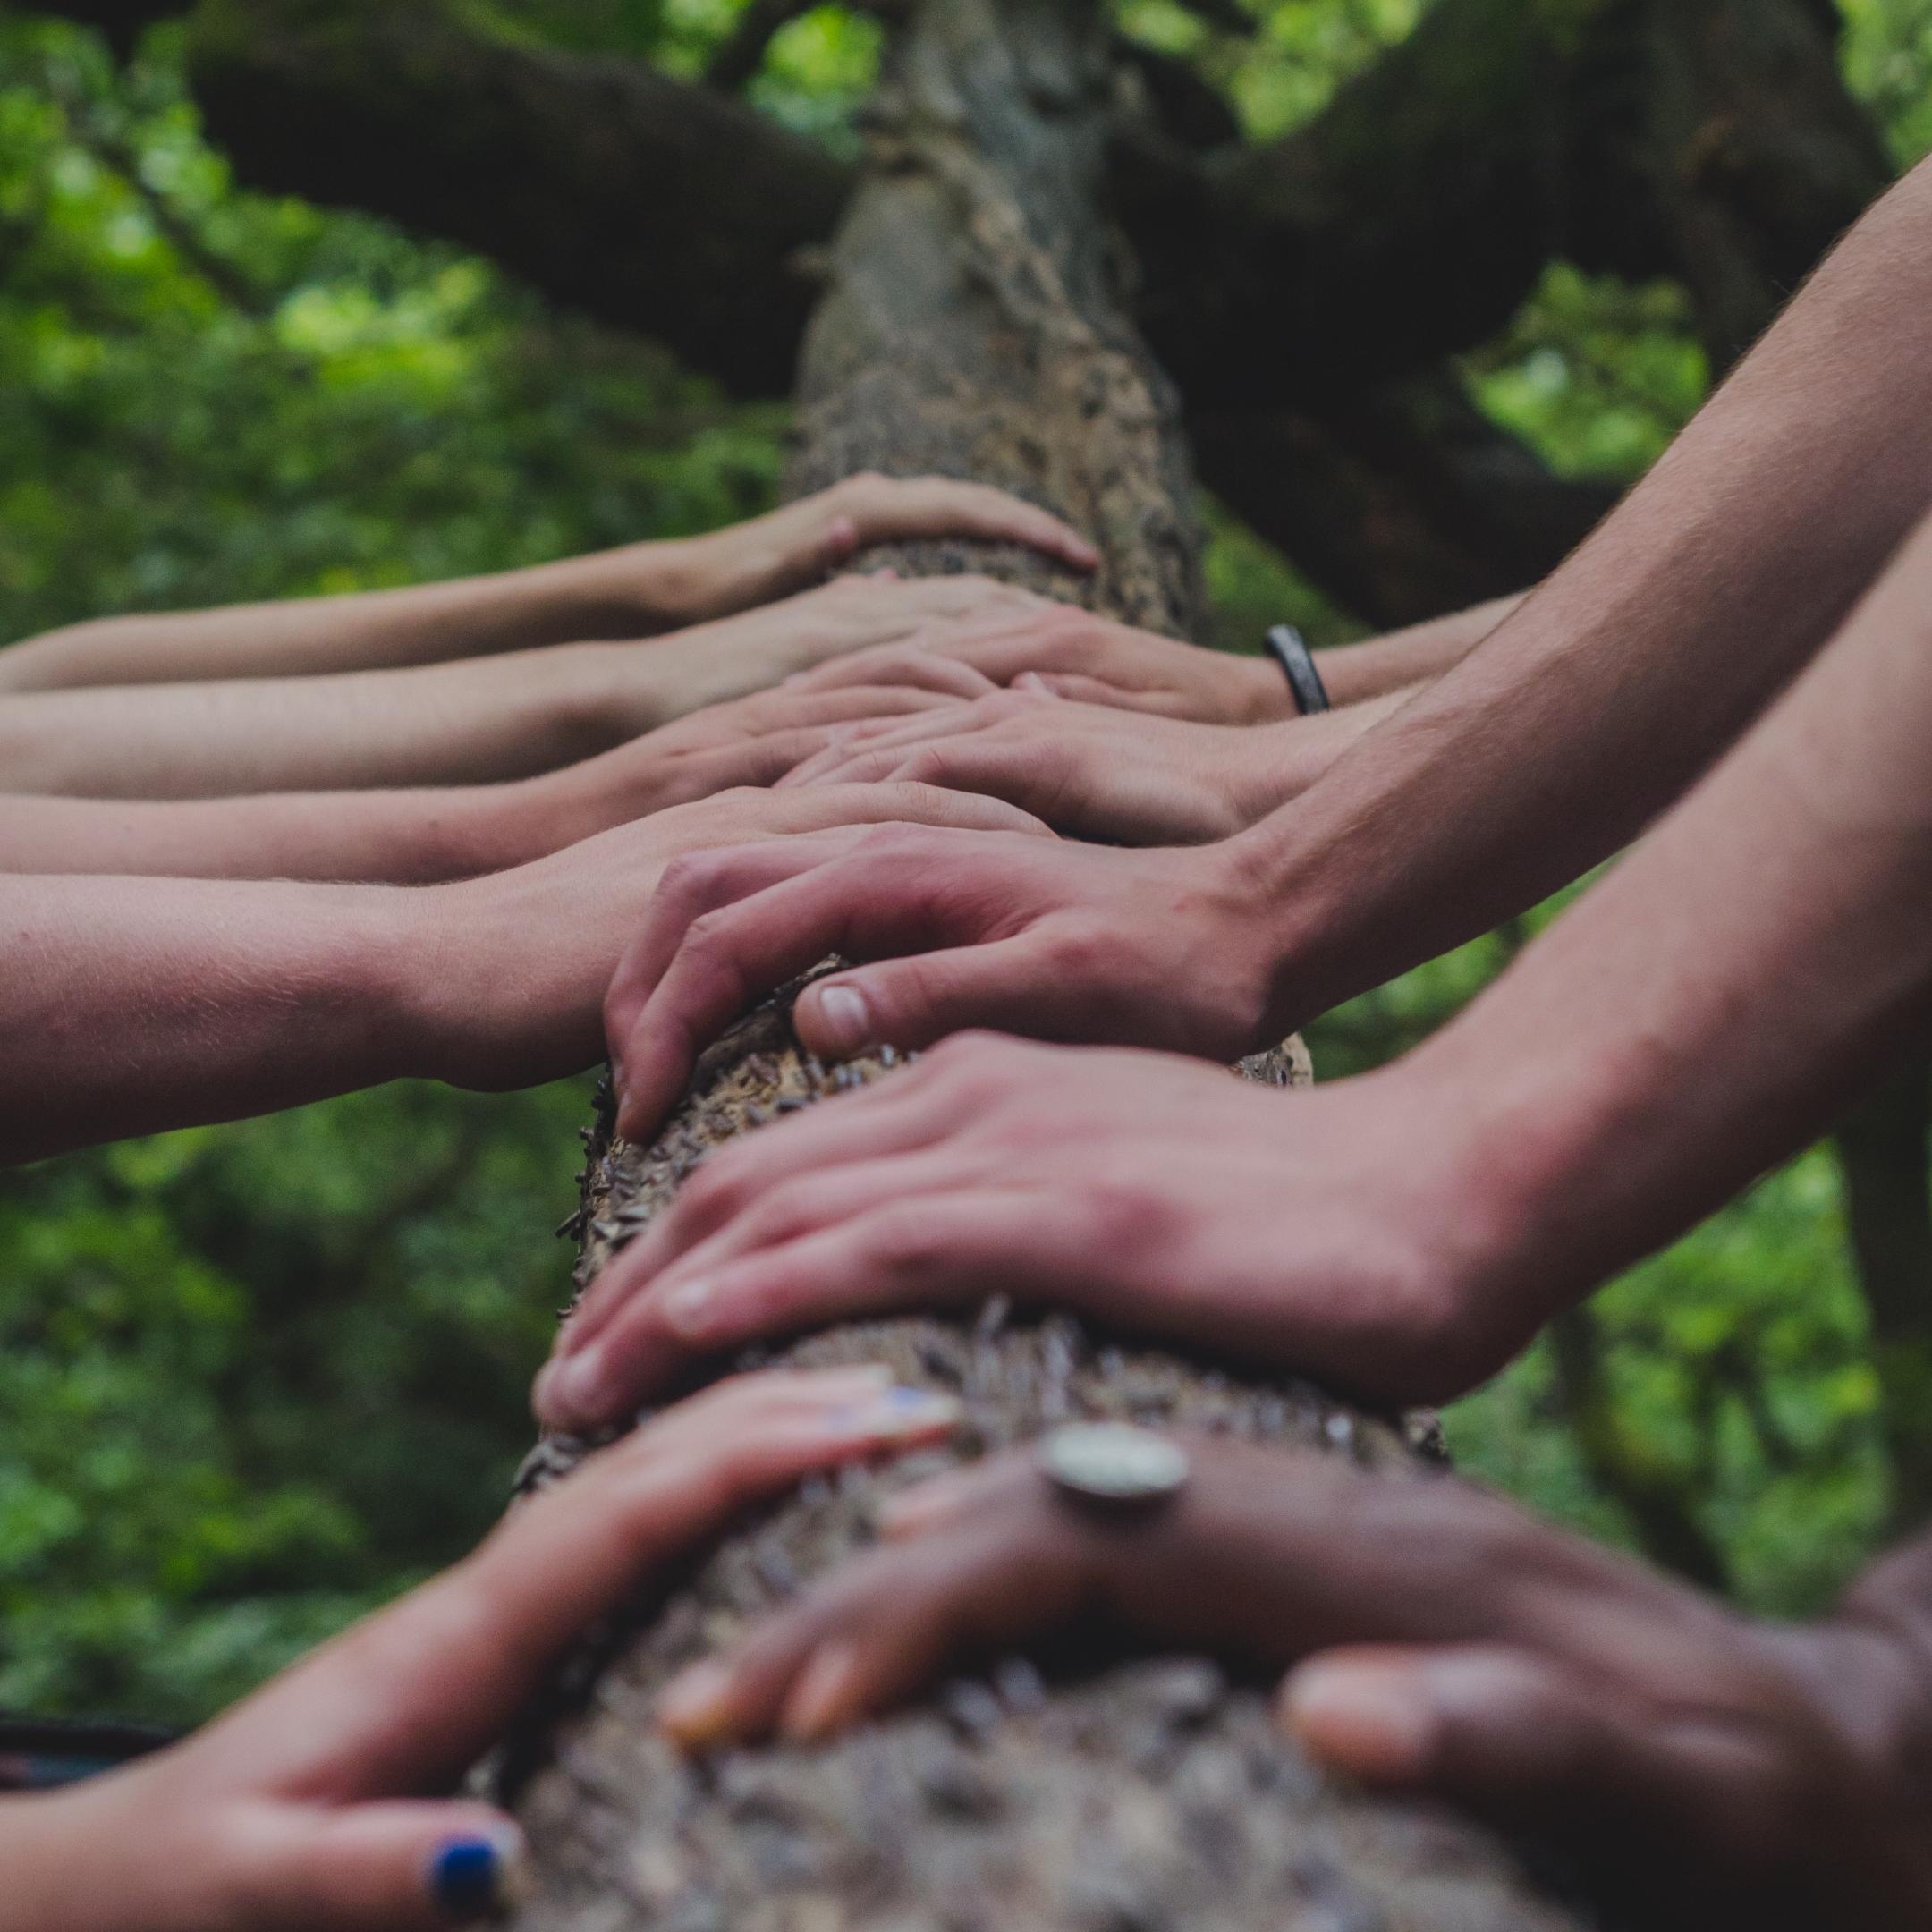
x=694, y=1705
x=1371, y=1721
x=471, y=1877
x=898, y=1411
x=570, y=1386
x=844, y=1019
x=820, y=1698
x=687, y=1306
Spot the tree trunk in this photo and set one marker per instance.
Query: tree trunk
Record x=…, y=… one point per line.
x=1883, y=1146
x=972, y=324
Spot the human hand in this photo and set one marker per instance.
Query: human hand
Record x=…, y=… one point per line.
x=1072, y=653
x=1163, y=948
x=1448, y=1645
x=321, y=1803
x=1344, y=1233
x=632, y=691
x=748, y=742
x=502, y=978
x=1091, y=771
x=788, y=548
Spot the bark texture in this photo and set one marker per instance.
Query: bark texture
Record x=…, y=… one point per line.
x=972, y=323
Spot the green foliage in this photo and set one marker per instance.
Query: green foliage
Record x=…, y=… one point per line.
x=258, y=1377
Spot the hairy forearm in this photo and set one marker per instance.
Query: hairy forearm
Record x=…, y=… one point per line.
x=1401, y=659
x=1708, y=1007
x=610, y=595
x=461, y=723
x=1619, y=680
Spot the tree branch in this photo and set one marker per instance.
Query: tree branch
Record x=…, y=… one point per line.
x=1402, y=503
x=657, y=206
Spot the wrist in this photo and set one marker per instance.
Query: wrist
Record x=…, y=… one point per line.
x=495, y=993
x=1258, y=692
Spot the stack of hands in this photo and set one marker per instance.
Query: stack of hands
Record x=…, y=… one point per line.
x=483, y=832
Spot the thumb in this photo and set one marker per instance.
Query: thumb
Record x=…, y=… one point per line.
x=396, y=1866
x=909, y=1003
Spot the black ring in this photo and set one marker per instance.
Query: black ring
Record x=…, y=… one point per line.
x=1289, y=648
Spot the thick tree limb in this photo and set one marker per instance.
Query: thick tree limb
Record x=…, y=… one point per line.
x=1883, y=1146
x=661, y=207
x=1402, y=503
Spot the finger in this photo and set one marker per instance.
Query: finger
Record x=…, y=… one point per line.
x=961, y=1244
x=1529, y=1741
x=1081, y=689
x=904, y=1113
x=841, y=763
x=413, y=1694
x=725, y=937
x=909, y=1003
x=911, y=666
x=646, y=1341
x=390, y=1866
x=940, y=506
x=884, y=1626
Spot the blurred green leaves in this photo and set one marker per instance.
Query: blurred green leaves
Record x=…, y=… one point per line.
x=256, y=1378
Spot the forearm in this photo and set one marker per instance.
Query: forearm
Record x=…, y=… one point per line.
x=136, y=1005
x=396, y=837
x=439, y=724
x=1404, y=658
x=1622, y=678
x=1708, y=1008
x=612, y=595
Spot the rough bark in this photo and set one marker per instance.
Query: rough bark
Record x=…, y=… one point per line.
x=971, y=323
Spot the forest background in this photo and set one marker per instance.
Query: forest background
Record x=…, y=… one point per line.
x=254, y=1379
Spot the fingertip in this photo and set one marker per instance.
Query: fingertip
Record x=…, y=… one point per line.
x=833, y=1017
x=825, y=1697
x=841, y=540
x=696, y=1709
x=479, y=1872
x=1370, y=1719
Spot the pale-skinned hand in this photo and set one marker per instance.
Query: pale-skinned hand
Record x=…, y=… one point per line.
x=624, y=690
x=1169, y=947
x=794, y=546
x=321, y=1804
x=1335, y=1232
x=1444, y=1644
x=506, y=974
x=746, y=741
x=1072, y=653
x=1091, y=771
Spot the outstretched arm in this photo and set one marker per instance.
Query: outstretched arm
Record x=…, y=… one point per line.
x=468, y=722
x=623, y=593
x=434, y=834
x=132, y=1004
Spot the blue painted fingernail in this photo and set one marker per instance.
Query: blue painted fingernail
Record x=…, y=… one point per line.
x=466, y=1877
